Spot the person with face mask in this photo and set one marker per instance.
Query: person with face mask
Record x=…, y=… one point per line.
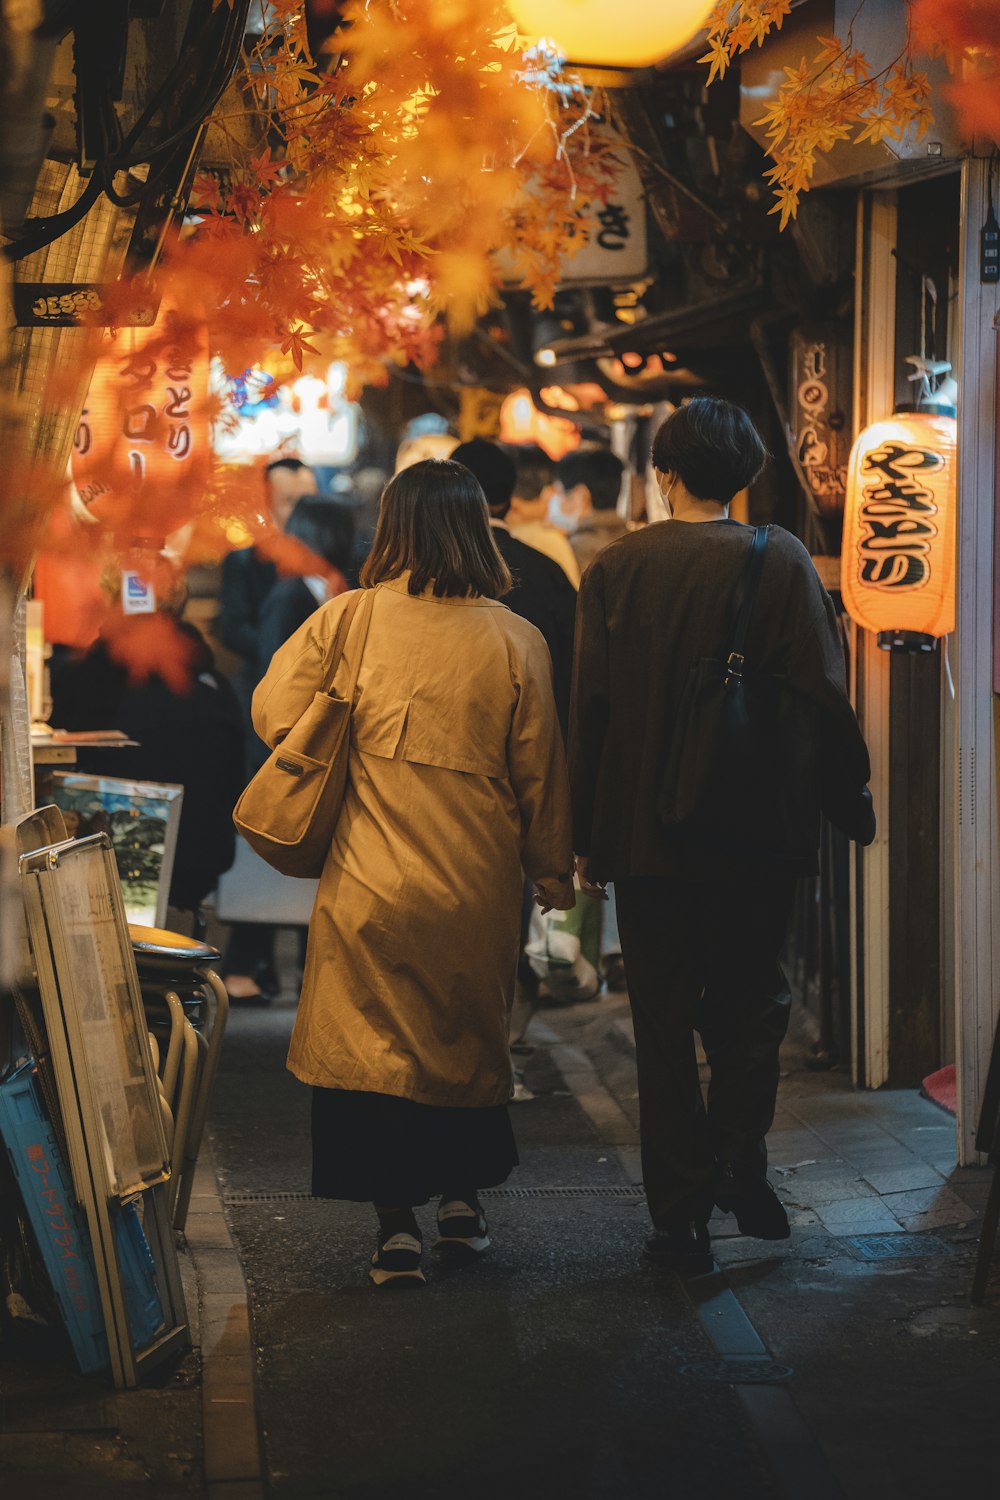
x=590, y=479
x=703, y=919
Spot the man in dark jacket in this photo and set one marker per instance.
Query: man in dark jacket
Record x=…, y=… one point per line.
x=542, y=594
x=701, y=927
x=247, y=581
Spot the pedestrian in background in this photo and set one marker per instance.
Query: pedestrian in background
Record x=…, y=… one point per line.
x=702, y=926
x=456, y=781
x=528, y=516
x=541, y=592
x=543, y=595
x=247, y=579
x=591, y=482
x=327, y=529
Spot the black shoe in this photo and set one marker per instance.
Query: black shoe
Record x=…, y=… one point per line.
x=614, y=974
x=267, y=979
x=396, y=1262
x=685, y=1248
x=758, y=1209
x=462, y=1227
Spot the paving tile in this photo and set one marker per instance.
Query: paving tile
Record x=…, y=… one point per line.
x=858, y=1216
x=902, y=1179
x=935, y=1219
x=938, y=1200
x=809, y=1192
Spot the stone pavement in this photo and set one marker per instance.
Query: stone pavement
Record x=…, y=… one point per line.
x=897, y=1378
x=845, y=1361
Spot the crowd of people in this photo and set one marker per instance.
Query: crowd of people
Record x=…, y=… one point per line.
x=526, y=669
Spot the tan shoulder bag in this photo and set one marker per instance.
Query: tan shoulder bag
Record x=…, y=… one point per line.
x=289, y=811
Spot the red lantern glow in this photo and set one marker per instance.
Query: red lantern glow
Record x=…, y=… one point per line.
x=142, y=452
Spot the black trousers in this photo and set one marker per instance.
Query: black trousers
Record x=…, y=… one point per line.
x=703, y=957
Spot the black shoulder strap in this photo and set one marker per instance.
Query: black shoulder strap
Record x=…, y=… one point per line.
x=747, y=595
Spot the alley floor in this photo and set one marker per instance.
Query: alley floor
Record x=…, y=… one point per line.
x=845, y=1361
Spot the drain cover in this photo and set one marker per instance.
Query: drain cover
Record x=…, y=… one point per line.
x=896, y=1246
x=599, y=1190
x=739, y=1370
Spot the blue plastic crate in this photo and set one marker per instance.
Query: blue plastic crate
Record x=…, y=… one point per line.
x=60, y=1228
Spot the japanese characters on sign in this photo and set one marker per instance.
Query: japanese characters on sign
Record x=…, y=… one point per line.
x=142, y=449
x=820, y=399
x=898, y=559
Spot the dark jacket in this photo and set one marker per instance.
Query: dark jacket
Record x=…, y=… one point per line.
x=247, y=579
x=652, y=604
x=287, y=606
x=194, y=739
x=544, y=596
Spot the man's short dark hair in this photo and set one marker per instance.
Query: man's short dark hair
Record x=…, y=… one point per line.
x=712, y=446
x=598, y=468
x=493, y=468
x=293, y=465
x=533, y=467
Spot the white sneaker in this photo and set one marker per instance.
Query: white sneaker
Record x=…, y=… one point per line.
x=519, y=1090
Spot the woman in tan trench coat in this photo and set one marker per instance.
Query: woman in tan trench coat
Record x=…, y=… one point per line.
x=456, y=782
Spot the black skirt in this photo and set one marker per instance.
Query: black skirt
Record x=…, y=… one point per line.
x=375, y=1148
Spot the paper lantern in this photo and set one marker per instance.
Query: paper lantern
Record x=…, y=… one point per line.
x=602, y=35
x=142, y=453
x=897, y=566
x=522, y=422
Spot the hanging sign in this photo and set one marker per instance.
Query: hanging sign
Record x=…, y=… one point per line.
x=616, y=250
x=898, y=557
x=142, y=453
x=821, y=398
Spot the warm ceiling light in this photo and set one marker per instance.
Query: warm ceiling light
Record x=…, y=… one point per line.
x=545, y=357
x=603, y=35
x=633, y=361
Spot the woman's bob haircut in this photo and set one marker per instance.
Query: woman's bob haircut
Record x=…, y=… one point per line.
x=434, y=524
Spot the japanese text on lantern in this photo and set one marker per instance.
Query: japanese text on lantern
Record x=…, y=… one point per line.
x=898, y=557
x=897, y=516
x=141, y=452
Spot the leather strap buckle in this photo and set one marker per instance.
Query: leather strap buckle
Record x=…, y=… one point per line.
x=735, y=663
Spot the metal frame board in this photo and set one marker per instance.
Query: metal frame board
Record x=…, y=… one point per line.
x=96, y=1027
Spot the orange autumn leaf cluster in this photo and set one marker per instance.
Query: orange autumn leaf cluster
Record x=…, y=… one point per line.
x=836, y=95
x=352, y=213
x=392, y=175
x=830, y=97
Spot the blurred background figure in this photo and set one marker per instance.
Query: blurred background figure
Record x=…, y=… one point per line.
x=327, y=528
x=528, y=517
x=193, y=738
x=247, y=580
x=427, y=436
x=591, y=481
x=542, y=594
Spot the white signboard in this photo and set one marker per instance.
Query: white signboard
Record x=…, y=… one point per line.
x=617, y=248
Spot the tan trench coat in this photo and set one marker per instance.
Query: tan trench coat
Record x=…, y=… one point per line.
x=457, y=779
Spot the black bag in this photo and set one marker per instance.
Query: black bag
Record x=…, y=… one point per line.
x=741, y=778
